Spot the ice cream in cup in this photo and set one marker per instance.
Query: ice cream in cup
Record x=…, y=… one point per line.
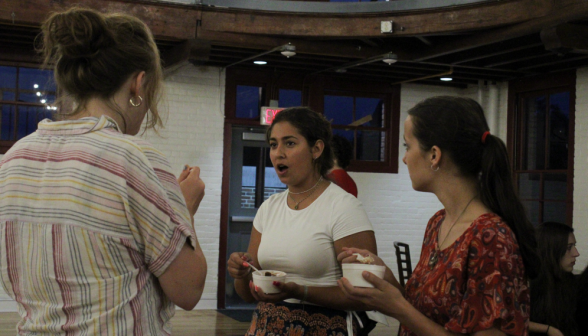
x=353, y=272
x=264, y=279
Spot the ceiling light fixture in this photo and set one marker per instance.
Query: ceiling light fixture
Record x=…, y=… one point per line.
x=288, y=50
x=446, y=79
x=260, y=62
x=390, y=58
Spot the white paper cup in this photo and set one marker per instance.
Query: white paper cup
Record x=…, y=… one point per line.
x=266, y=283
x=353, y=273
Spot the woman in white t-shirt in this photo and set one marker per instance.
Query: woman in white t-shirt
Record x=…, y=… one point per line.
x=301, y=231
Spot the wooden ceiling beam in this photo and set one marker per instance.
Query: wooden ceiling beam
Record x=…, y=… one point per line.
x=343, y=48
x=564, y=11
x=20, y=55
x=165, y=21
x=566, y=38
x=455, y=19
x=497, y=53
x=513, y=60
x=561, y=61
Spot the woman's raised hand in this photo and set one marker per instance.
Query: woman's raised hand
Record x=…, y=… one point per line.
x=237, y=265
x=192, y=188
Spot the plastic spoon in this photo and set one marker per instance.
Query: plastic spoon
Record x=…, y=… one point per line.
x=251, y=266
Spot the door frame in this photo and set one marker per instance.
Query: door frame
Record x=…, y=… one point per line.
x=225, y=208
x=224, y=217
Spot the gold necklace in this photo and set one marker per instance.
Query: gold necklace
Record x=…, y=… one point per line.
x=305, y=191
x=312, y=192
x=435, y=255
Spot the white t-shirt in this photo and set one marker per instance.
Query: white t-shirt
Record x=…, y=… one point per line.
x=301, y=242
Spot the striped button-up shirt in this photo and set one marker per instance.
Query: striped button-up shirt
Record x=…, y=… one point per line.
x=89, y=218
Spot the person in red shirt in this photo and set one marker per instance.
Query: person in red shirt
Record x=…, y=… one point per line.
x=342, y=153
x=479, y=252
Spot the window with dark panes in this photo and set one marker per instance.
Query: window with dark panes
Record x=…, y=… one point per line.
x=362, y=121
x=289, y=98
x=249, y=101
x=367, y=114
x=26, y=97
x=543, y=150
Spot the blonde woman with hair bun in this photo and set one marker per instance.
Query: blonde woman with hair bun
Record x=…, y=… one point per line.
x=97, y=233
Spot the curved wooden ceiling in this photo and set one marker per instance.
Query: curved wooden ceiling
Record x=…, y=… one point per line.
x=479, y=40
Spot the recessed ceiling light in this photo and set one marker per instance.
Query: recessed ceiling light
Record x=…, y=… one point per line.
x=260, y=62
x=446, y=79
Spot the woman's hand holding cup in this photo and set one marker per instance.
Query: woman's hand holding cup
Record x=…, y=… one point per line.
x=288, y=290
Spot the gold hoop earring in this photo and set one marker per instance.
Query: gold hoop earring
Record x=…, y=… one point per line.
x=435, y=169
x=136, y=104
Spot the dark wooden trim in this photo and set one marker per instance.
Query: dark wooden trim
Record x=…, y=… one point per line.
x=571, y=154
x=20, y=57
x=5, y=146
x=166, y=20
x=20, y=103
x=566, y=37
x=416, y=22
x=224, y=218
x=563, y=11
x=21, y=64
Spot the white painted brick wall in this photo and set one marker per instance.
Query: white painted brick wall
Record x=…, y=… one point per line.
x=194, y=135
x=580, y=168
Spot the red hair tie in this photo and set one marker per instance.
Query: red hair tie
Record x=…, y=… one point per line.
x=484, y=136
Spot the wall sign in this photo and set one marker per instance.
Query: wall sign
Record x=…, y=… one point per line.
x=268, y=113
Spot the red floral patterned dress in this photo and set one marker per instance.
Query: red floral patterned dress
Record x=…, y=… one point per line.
x=478, y=282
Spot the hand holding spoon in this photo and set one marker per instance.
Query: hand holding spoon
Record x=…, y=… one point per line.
x=245, y=263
